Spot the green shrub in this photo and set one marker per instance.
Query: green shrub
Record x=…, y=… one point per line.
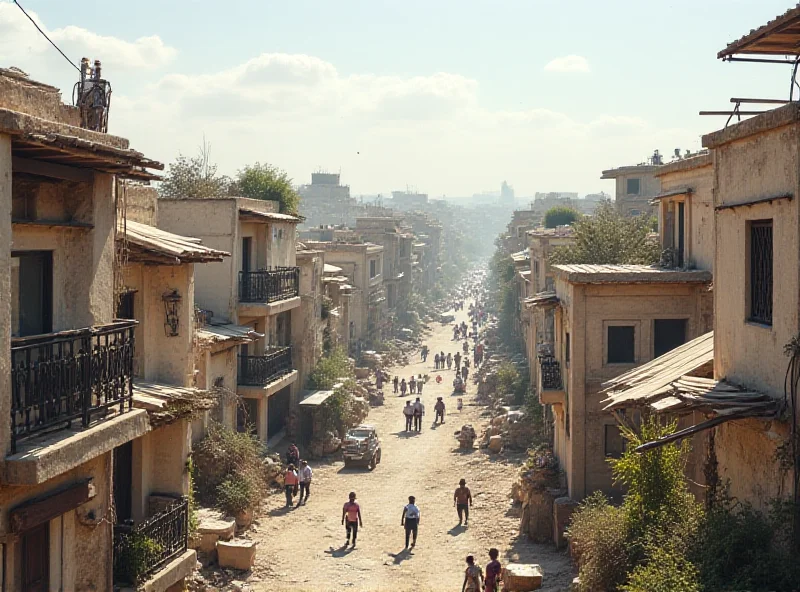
x=666, y=570
x=330, y=369
x=137, y=554
x=598, y=532
x=237, y=494
x=336, y=411
x=560, y=216
x=225, y=454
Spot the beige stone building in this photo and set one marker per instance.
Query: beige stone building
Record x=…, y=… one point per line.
x=608, y=320
x=362, y=266
x=258, y=287
x=636, y=186
x=86, y=446
x=397, y=245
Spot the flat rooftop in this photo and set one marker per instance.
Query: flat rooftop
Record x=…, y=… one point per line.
x=629, y=274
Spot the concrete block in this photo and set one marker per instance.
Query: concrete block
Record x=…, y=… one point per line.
x=519, y=577
x=563, y=507
x=495, y=444
x=212, y=527
x=238, y=554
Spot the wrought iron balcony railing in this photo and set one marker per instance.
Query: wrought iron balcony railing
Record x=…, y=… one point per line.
x=261, y=370
x=142, y=549
x=551, y=373
x=269, y=285
x=58, y=379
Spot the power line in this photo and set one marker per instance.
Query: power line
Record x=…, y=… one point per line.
x=71, y=63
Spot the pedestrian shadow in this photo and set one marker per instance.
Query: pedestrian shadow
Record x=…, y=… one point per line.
x=456, y=530
x=404, y=434
x=340, y=552
x=281, y=510
x=401, y=556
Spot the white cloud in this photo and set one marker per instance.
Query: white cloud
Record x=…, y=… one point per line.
x=21, y=42
x=570, y=63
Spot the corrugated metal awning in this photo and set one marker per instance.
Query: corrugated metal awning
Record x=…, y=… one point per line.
x=148, y=244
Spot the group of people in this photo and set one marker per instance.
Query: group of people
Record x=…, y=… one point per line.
x=413, y=414
x=413, y=386
x=297, y=478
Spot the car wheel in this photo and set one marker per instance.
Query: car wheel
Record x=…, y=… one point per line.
x=379, y=457
x=372, y=463
x=347, y=464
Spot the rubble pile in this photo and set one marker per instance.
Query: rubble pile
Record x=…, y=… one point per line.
x=538, y=488
x=513, y=426
x=466, y=437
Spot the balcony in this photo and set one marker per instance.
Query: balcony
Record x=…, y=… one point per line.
x=143, y=549
x=262, y=370
x=69, y=378
x=551, y=386
x=267, y=286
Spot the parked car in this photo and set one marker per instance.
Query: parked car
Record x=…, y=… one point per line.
x=362, y=446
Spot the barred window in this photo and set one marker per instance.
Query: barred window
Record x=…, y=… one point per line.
x=760, y=263
x=614, y=442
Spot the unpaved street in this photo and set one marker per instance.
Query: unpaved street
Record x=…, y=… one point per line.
x=302, y=549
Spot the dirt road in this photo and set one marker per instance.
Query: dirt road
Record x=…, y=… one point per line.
x=302, y=549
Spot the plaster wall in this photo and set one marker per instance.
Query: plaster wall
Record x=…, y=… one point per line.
x=5, y=289
x=84, y=559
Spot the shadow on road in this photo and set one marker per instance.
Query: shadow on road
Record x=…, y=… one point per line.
x=352, y=470
x=340, y=552
x=406, y=434
x=456, y=530
x=281, y=510
x=401, y=556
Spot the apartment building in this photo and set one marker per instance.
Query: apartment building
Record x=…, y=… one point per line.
x=608, y=320
x=636, y=186
x=69, y=368
x=258, y=287
x=361, y=266
x=397, y=248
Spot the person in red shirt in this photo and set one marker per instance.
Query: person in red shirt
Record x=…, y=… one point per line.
x=493, y=568
x=290, y=483
x=351, y=517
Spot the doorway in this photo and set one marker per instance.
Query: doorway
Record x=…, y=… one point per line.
x=36, y=559
x=123, y=482
x=277, y=411
x=31, y=293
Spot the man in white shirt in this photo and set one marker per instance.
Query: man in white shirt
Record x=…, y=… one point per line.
x=304, y=475
x=410, y=520
x=408, y=412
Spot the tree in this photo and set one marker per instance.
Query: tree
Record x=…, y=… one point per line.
x=609, y=238
x=560, y=216
x=194, y=177
x=267, y=182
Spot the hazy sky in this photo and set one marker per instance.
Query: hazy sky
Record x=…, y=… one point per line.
x=448, y=97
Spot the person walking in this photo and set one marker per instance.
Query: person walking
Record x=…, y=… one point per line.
x=379, y=379
x=412, y=385
x=408, y=412
x=462, y=500
x=493, y=569
x=420, y=382
x=410, y=520
x=439, y=409
x=419, y=411
x=290, y=482
x=424, y=353
x=473, y=576
x=457, y=360
x=436, y=362
x=449, y=361
x=403, y=388
x=396, y=384
x=351, y=518
x=304, y=476
x=464, y=374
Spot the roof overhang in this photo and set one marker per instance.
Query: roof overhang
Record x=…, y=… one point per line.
x=41, y=140
x=687, y=191
x=779, y=37
x=151, y=245
x=268, y=217
x=542, y=299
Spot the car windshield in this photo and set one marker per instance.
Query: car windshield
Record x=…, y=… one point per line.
x=359, y=433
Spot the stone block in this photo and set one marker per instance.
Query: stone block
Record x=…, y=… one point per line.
x=563, y=507
x=238, y=554
x=212, y=527
x=520, y=577
x=495, y=444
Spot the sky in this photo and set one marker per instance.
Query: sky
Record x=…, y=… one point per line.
x=445, y=97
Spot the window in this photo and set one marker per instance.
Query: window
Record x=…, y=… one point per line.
x=567, y=349
x=614, y=442
x=621, y=345
x=125, y=305
x=632, y=186
x=373, y=268
x=31, y=293
x=760, y=272
x=247, y=244
x=667, y=335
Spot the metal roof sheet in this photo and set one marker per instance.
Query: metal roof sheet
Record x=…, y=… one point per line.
x=151, y=243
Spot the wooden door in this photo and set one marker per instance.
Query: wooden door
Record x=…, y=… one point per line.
x=36, y=559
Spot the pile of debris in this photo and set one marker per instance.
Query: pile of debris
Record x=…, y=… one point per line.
x=328, y=443
x=540, y=489
x=513, y=427
x=466, y=437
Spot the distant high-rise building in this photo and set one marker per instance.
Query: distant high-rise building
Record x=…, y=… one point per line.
x=506, y=194
x=408, y=200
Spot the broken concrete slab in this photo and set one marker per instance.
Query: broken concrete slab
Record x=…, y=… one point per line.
x=238, y=554
x=520, y=577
